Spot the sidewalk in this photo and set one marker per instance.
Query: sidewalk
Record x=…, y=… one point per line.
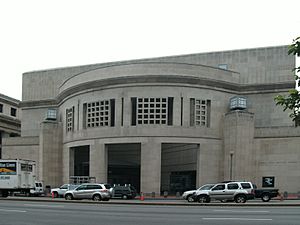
x=171, y=201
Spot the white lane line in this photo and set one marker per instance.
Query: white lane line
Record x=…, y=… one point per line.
x=244, y=219
x=244, y=211
x=12, y=210
x=50, y=206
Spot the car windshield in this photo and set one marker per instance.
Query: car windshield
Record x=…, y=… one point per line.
x=206, y=187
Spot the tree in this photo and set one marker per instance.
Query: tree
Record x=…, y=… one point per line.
x=292, y=100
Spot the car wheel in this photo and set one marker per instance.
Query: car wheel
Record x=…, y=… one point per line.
x=190, y=198
x=125, y=197
x=265, y=197
x=203, y=199
x=240, y=199
x=97, y=197
x=69, y=197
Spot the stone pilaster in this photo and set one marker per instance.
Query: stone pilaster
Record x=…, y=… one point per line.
x=98, y=162
x=150, y=167
x=239, y=158
x=50, y=153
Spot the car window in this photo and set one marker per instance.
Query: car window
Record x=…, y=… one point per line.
x=94, y=186
x=82, y=187
x=65, y=186
x=219, y=187
x=206, y=187
x=246, y=185
x=233, y=186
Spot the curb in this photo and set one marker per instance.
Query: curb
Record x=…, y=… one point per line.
x=173, y=203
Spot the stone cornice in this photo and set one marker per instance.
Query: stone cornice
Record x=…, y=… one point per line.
x=161, y=80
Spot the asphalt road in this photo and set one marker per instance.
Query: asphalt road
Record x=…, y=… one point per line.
x=54, y=213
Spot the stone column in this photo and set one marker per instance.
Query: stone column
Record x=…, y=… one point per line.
x=150, y=167
x=239, y=158
x=98, y=162
x=50, y=153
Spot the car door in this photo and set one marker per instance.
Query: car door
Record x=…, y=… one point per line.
x=80, y=192
x=218, y=192
x=231, y=189
x=91, y=189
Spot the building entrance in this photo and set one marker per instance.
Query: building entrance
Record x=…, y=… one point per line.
x=124, y=164
x=81, y=159
x=178, y=167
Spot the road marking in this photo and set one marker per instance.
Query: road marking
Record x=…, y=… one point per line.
x=51, y=206
x=228, y=218
x=244, y=211
x=12, y=210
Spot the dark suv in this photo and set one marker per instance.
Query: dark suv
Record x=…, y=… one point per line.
x=124, y=192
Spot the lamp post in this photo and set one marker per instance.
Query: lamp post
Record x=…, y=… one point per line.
x=230, y=171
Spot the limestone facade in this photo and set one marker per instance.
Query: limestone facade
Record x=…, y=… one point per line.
x=161, y=119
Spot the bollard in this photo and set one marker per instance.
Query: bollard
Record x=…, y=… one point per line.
x=165, y=194
x=52, y=195
x=281, y=196
x=142, y=196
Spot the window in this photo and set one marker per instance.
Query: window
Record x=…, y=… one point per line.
x=246, y=185
x=13, y=112
x=232, y=186
x=223, y=66
x=200, y=112
x=219, y=187
x=70, y=119
x=1, y=108
x=156, y=111
x=100, y=114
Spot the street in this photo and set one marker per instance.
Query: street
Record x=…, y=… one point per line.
x=54, y=213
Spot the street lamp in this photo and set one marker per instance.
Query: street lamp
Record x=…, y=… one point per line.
x=231, y=157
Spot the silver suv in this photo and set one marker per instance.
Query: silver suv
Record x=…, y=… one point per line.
x=97, y=192
x=239, y=192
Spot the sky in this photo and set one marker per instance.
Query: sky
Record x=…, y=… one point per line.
x=45, y=34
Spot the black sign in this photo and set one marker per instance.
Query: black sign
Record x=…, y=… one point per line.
x=268, y=181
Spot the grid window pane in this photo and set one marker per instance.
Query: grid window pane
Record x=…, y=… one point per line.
x=200, y=112
x=98, y=114
x=69, y=119
x=152, y=110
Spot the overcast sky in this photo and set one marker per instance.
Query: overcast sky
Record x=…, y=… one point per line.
x=43, y=34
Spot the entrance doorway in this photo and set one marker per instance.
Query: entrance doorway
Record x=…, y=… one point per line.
x=124, y=164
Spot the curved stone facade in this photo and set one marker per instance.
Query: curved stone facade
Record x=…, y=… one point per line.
x=164, y=124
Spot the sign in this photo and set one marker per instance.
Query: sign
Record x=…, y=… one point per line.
x=268, y=181
x=8, y=168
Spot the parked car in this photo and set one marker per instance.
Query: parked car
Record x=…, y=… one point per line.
x=97, y=192
x=124, y=192
x=188, y=195
x=60, y=192
x=239, y=192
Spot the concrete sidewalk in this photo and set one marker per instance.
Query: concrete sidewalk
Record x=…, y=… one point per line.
x=161, y=201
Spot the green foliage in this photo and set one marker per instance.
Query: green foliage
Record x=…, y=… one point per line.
x=292, y=101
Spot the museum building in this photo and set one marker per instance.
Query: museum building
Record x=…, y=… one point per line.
x=163, y=124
